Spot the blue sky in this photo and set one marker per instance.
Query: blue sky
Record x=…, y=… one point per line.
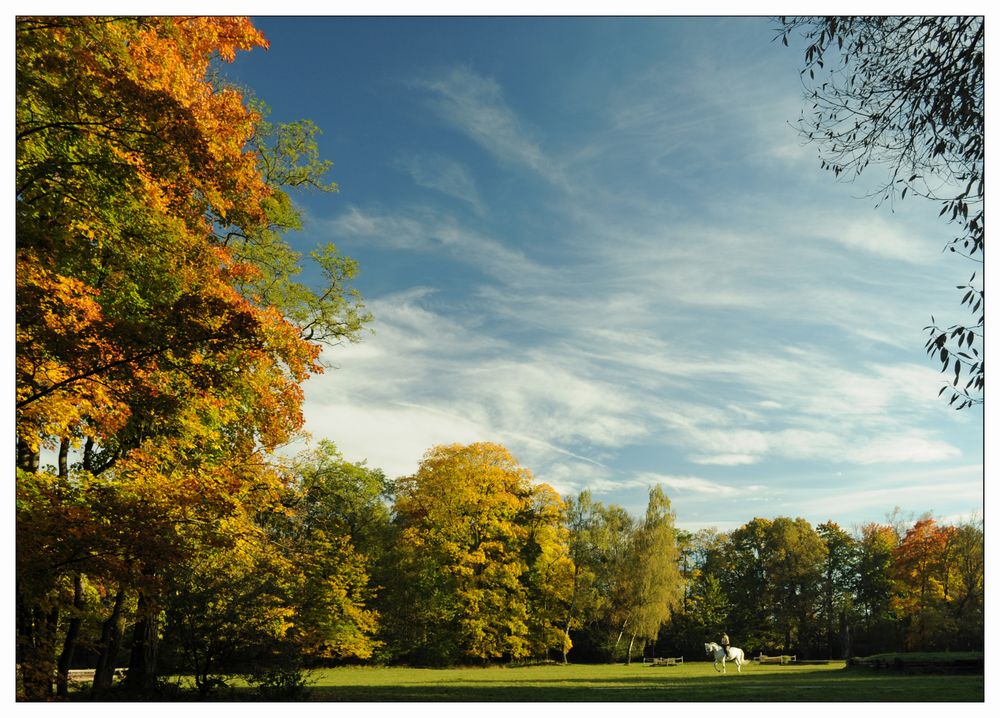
x=599, y=242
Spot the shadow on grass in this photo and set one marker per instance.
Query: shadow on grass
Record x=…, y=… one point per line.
x=790, y=686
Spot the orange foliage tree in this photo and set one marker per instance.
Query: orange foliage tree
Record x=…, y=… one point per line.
x=144, y=345
x=920, y=575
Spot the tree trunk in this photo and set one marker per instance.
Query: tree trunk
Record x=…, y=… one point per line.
x=23, y=628
x=69, y=645
x=27, y=459
x=142, y=663
x=88, y=455
x=845, y=636
x=64, y=457
x=38, y=657
x=620, y=634
x=565, y=644
x=73, y=630
x=111, y=641
x=569, y=614
x=631, y=642
x=828, y=610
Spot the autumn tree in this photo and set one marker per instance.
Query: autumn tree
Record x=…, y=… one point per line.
x=656, y=586
x=907, y=93
x=295, y=587
x=333, y=531
x=920, y=574
x=122, y=165
x=966, y=586
x=145, y=342
x=551, y=577
x=626, y=583
x=227, y=612
x=479, y=552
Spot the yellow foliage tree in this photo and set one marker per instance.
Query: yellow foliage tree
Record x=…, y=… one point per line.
x=487, y=547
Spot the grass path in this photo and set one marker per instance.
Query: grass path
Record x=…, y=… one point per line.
x=694, y=682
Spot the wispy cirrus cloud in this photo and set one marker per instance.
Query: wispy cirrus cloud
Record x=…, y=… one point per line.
x=429, y=378
x=427, y=231
x=921, y=487
x=442, y=174
x=443, y=377
x=474, y=104
x=911, y=446
x=726, y=459
x=693, y=484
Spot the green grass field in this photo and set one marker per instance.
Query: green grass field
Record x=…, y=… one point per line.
x=695, y=682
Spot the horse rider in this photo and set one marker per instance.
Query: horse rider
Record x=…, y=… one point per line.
x=724, y=642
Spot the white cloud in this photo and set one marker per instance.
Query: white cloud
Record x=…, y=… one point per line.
x=918, y=383
x=694, y=484
x=564, y=402
x=816, y=444
x=474, y=104
x=726, y=459
x=430, y=232
x=875, y=235
x=443, y=175
x=734, y=440
x=442, y=375
x=913, y=447
x=391, y=437
x=961, y=486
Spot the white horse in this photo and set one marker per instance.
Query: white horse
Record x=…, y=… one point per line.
x=719, y=656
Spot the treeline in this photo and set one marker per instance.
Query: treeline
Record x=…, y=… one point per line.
x=469, y=561
x=782, y=585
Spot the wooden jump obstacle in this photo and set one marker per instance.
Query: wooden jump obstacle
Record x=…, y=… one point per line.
x=779, y=660
x=663, y=661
